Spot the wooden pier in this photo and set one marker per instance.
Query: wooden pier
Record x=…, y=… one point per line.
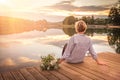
x=88, y=70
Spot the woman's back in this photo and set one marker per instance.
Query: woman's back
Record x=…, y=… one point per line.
x=77, y=47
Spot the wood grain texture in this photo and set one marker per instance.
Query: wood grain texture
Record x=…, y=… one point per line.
x=88, y=70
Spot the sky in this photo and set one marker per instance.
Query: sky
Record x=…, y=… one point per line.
x=54, y=10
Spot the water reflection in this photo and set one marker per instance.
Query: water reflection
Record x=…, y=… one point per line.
x=113, y=35
x=25, y=49
x=91, y=31
x=69, y=31
x=114, y=38
x=20, y=55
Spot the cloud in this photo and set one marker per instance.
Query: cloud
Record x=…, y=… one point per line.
x=92, y=8
x=67, y=5
x=64, y=5
x=7, y=62
x=26, y=59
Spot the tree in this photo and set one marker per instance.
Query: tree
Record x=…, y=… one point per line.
x=114, y=38
x=92, y=20
x=84, y=18
x=69, y=20
x=88, y=19
x=100, y=21
x=114, y=15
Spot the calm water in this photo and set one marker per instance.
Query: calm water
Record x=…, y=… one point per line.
x=24, y=49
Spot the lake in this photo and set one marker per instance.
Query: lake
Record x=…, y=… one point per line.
x=25, y=49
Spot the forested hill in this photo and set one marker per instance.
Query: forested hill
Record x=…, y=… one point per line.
x=15, y=25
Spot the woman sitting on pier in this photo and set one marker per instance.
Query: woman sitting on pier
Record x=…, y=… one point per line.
x=78, y=45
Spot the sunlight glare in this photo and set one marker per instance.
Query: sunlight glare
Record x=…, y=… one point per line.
x=2, y=1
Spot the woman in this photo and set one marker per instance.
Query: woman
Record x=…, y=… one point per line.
x=78, y=45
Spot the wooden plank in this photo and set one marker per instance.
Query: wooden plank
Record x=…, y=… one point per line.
x=88, y=70
x=7, y=76
x=109, y=64
x=26, y=74
x=72, y=74
x=1, y=77
x=110, y=56
x=113, y=61
x=60, y=76
x=113, y=55
x=17, y=75
x=112, y=64
x=106, y=70
x=114, y=68
x=47, y=74
x=36, y=74
x=93, y=71
x=83, y=72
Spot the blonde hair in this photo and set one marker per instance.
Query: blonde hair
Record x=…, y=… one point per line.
x=80, y=26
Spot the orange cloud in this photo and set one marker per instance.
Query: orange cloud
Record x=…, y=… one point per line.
x=26, y=59
x=7, y=62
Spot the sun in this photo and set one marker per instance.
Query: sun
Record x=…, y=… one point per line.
x=3, y=1
x=6, y=3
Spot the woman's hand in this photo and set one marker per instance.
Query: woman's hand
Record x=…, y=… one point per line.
x=60, y=61
x=101, y=63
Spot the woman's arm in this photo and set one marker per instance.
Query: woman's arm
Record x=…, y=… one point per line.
x=94, y=55
x=61, y=60
x=67, y=49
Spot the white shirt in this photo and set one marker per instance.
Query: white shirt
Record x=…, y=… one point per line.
x=77, y=47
